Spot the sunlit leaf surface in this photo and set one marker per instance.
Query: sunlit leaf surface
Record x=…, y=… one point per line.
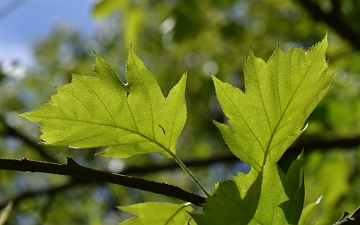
x=266, y=197
x=156, y=213
x=279, y=96
x=131, y=118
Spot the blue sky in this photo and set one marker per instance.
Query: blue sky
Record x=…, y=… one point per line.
x=34, y=19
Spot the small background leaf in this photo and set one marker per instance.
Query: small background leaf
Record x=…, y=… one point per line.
x=131, y=13
x=104, y=8
x=156, y=213
x=307, y=210
x=293, y=183
x=4, y=214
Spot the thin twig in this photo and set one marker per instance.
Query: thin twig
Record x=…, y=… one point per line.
x=10, y=131
x=40, y=191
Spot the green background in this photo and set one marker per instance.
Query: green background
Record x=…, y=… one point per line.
x=200, y=37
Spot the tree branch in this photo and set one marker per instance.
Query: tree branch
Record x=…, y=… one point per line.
x=10, y=131
x=75, y=170
x=293, y=151
x=353, y=219
x=334, y=20
x=41, y=191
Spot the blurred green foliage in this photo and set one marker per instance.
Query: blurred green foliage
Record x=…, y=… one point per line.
x=171, y=37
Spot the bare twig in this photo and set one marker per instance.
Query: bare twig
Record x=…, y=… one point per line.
x=41, y=191
x=353, y=219
x=10, y=131
x=10, y=7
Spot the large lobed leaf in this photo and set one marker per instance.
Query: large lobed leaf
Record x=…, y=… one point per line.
x=96, y=111
x=159, y=213
x=266, y=197
x=279, y=96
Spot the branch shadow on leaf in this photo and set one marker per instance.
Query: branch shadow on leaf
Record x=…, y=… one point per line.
x=293, y=184
x=230, y=204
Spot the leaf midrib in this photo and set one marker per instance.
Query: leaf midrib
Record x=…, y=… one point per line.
x=249, y=127
x=101, y=101
x=243, y=118
x=108, y=125
x=151, y=105
x=286, y=108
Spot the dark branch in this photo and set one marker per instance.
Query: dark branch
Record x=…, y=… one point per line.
x=10, y=131
x=10, y=7
x=334, y=20
x=293, y=151
x=310, y=146
x=75, y=170
x=353, y=219
x=41, y=191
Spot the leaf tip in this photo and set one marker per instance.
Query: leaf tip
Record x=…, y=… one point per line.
x=98, y=59
x=319, y=199
x=251, y=52
x=214, y=78
x=251, y=56
x=324, y=40
x=23, y=115
x=27, y=114
x=323, y=44
x=131, y=49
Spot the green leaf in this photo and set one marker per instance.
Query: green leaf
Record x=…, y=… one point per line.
x=132, y=16
x=105, y=8
x=4, y=213
x=156, y=213
x=294, y=187
x=257, y=198
x=230, y=205
x=96, y=111
x=307, y=210
x=279, y=96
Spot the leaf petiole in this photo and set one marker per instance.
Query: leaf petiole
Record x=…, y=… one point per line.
x=191, y=175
